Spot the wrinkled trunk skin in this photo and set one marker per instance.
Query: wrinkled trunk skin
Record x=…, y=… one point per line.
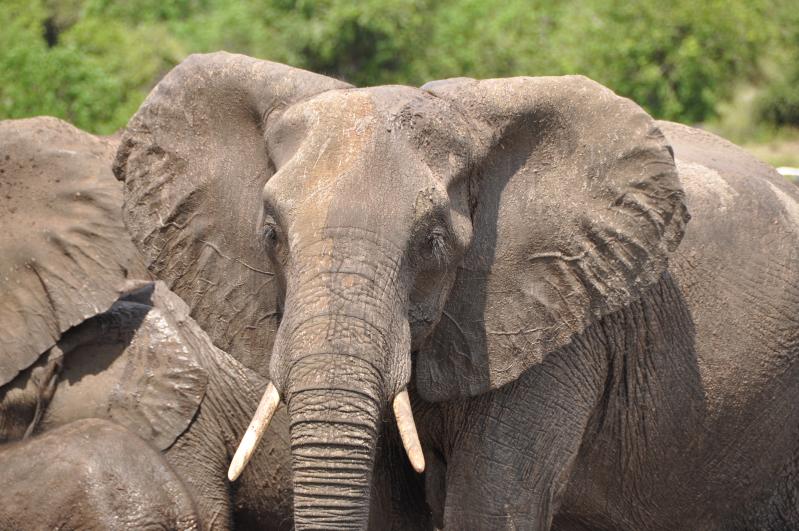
x=333, y=436
x=342, y=331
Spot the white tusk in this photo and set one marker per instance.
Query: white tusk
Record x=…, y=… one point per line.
x=407, y=429
x=256, y=429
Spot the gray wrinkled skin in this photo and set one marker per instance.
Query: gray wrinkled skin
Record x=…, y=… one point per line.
x=65, y=255
x=516, y=251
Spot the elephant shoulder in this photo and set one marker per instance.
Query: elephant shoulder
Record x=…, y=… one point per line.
x=732, y=196
x=739, y=260
x=698, y=146
x=737, y=266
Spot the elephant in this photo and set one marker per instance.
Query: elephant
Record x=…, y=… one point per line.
x=88, y=335
x=569, y=315
x=144, y=371
x=83, y=462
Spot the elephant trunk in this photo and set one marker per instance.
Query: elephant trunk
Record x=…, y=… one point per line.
x=342, y=352
x=334, y=426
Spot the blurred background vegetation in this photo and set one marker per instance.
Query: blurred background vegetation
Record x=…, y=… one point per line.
x=730, y=65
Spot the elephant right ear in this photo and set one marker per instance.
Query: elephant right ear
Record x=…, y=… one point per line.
x=576, y=204
x=194, y=161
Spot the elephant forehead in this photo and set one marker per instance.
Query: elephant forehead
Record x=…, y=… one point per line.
x=341, y=119
x=351, y=110
x=378, y=198
x=317, y=143
x=351, y=167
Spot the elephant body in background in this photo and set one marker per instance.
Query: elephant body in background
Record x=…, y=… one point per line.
x=516, y=256
x=86, y=335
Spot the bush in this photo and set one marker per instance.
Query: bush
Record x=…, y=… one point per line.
x=94, y=75
x=93, y=61
x=779, y=101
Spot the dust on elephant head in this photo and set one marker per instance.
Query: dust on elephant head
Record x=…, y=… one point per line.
x=350, y=238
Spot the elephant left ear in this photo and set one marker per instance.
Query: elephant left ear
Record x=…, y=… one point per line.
x=576, y=204
x=164, y=379
x=141, y=364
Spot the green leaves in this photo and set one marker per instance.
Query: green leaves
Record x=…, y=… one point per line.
x=779, y=102
x=94, y=75
x=93, y=61
x=36, y=79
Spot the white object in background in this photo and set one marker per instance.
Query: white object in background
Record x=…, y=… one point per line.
x=790, y=172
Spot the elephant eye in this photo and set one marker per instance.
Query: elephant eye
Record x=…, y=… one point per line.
x=270, y=231
x=437, y=245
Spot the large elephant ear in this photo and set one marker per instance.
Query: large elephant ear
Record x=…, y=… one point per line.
x=164, y=377
x=153, y=361
x=194, y=162
x=576, y=206
x=65, y=255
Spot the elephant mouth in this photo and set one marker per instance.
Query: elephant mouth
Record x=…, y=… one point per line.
x=270, y=400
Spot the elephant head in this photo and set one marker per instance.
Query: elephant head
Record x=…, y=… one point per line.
x=352, y=237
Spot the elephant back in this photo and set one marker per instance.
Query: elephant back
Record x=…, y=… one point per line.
x=738, y=265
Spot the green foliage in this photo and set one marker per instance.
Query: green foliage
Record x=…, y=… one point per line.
x=779, y=102
x=35, y=79
x=679, y=63
x=360, y=42
x=95, y=76
x=93, y=61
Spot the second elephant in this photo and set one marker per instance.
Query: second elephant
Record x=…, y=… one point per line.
x=71, y=350
x=146, y=366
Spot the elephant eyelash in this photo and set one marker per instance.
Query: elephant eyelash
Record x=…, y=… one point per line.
x=269, y=234
x=438, y=246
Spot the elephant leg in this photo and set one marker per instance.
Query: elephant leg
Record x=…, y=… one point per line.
x=91, y=474
x=515, y=447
